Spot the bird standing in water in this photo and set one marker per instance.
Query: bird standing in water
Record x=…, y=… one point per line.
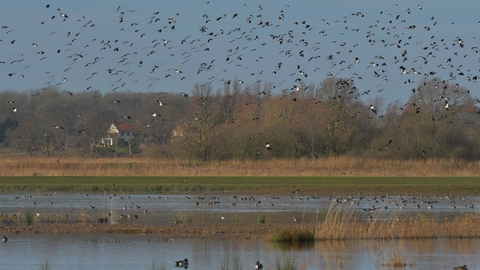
x=4, y=239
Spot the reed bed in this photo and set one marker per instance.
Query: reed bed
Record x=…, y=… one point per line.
x=342, y=223
x=143, y=166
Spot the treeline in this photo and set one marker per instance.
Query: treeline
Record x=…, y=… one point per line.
x=240, y=121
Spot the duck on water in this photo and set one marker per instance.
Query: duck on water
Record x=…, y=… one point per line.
x=183, y=263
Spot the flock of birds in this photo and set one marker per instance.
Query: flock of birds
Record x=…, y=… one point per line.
x=382, y=52
x=369, y=203
x=255, y=42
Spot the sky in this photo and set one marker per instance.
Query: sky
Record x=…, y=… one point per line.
x=168, y=46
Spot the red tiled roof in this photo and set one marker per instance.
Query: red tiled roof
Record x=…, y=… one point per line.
x=122, y=127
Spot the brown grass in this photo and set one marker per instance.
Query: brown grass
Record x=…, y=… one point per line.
x=334, y=166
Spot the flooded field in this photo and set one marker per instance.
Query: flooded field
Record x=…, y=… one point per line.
x=152, y=251
x=161, y=209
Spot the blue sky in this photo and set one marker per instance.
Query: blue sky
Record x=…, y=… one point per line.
x=92, y=41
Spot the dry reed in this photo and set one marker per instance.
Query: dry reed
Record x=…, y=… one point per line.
x=395, y=260
x=344, y=224
x=142, y=166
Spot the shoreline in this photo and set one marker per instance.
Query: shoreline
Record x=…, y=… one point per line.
x=343, y=227
x=243, y=231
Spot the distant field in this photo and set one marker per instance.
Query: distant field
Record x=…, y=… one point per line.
x=328, y=176
x=250, y=185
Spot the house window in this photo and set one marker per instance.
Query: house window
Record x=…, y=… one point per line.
x=174, y=133
x=122, y=134
x=181, y=133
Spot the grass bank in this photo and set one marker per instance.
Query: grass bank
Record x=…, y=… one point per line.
x=306, y=185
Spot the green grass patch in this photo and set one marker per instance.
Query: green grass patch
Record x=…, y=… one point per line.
x=293, y=235
x=263, y=185
x=261, y=218
x=29, y=217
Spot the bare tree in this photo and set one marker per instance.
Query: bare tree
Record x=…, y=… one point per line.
x=205, y=114
x=338, y=96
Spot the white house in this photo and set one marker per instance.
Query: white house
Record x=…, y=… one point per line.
x=122, y=131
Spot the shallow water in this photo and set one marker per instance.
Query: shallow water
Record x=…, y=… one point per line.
x=140, y=252
x=25, y=251
x=246, y=209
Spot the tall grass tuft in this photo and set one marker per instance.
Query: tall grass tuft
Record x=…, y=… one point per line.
x=285, y=264
x=395, y=259
x=228, y=263
x=339, y=224
x=155, y=266
x=294, y=235
x=261, y=219
x=29, y=217
x=45, y=265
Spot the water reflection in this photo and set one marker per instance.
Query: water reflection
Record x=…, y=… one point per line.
x=148, y=252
